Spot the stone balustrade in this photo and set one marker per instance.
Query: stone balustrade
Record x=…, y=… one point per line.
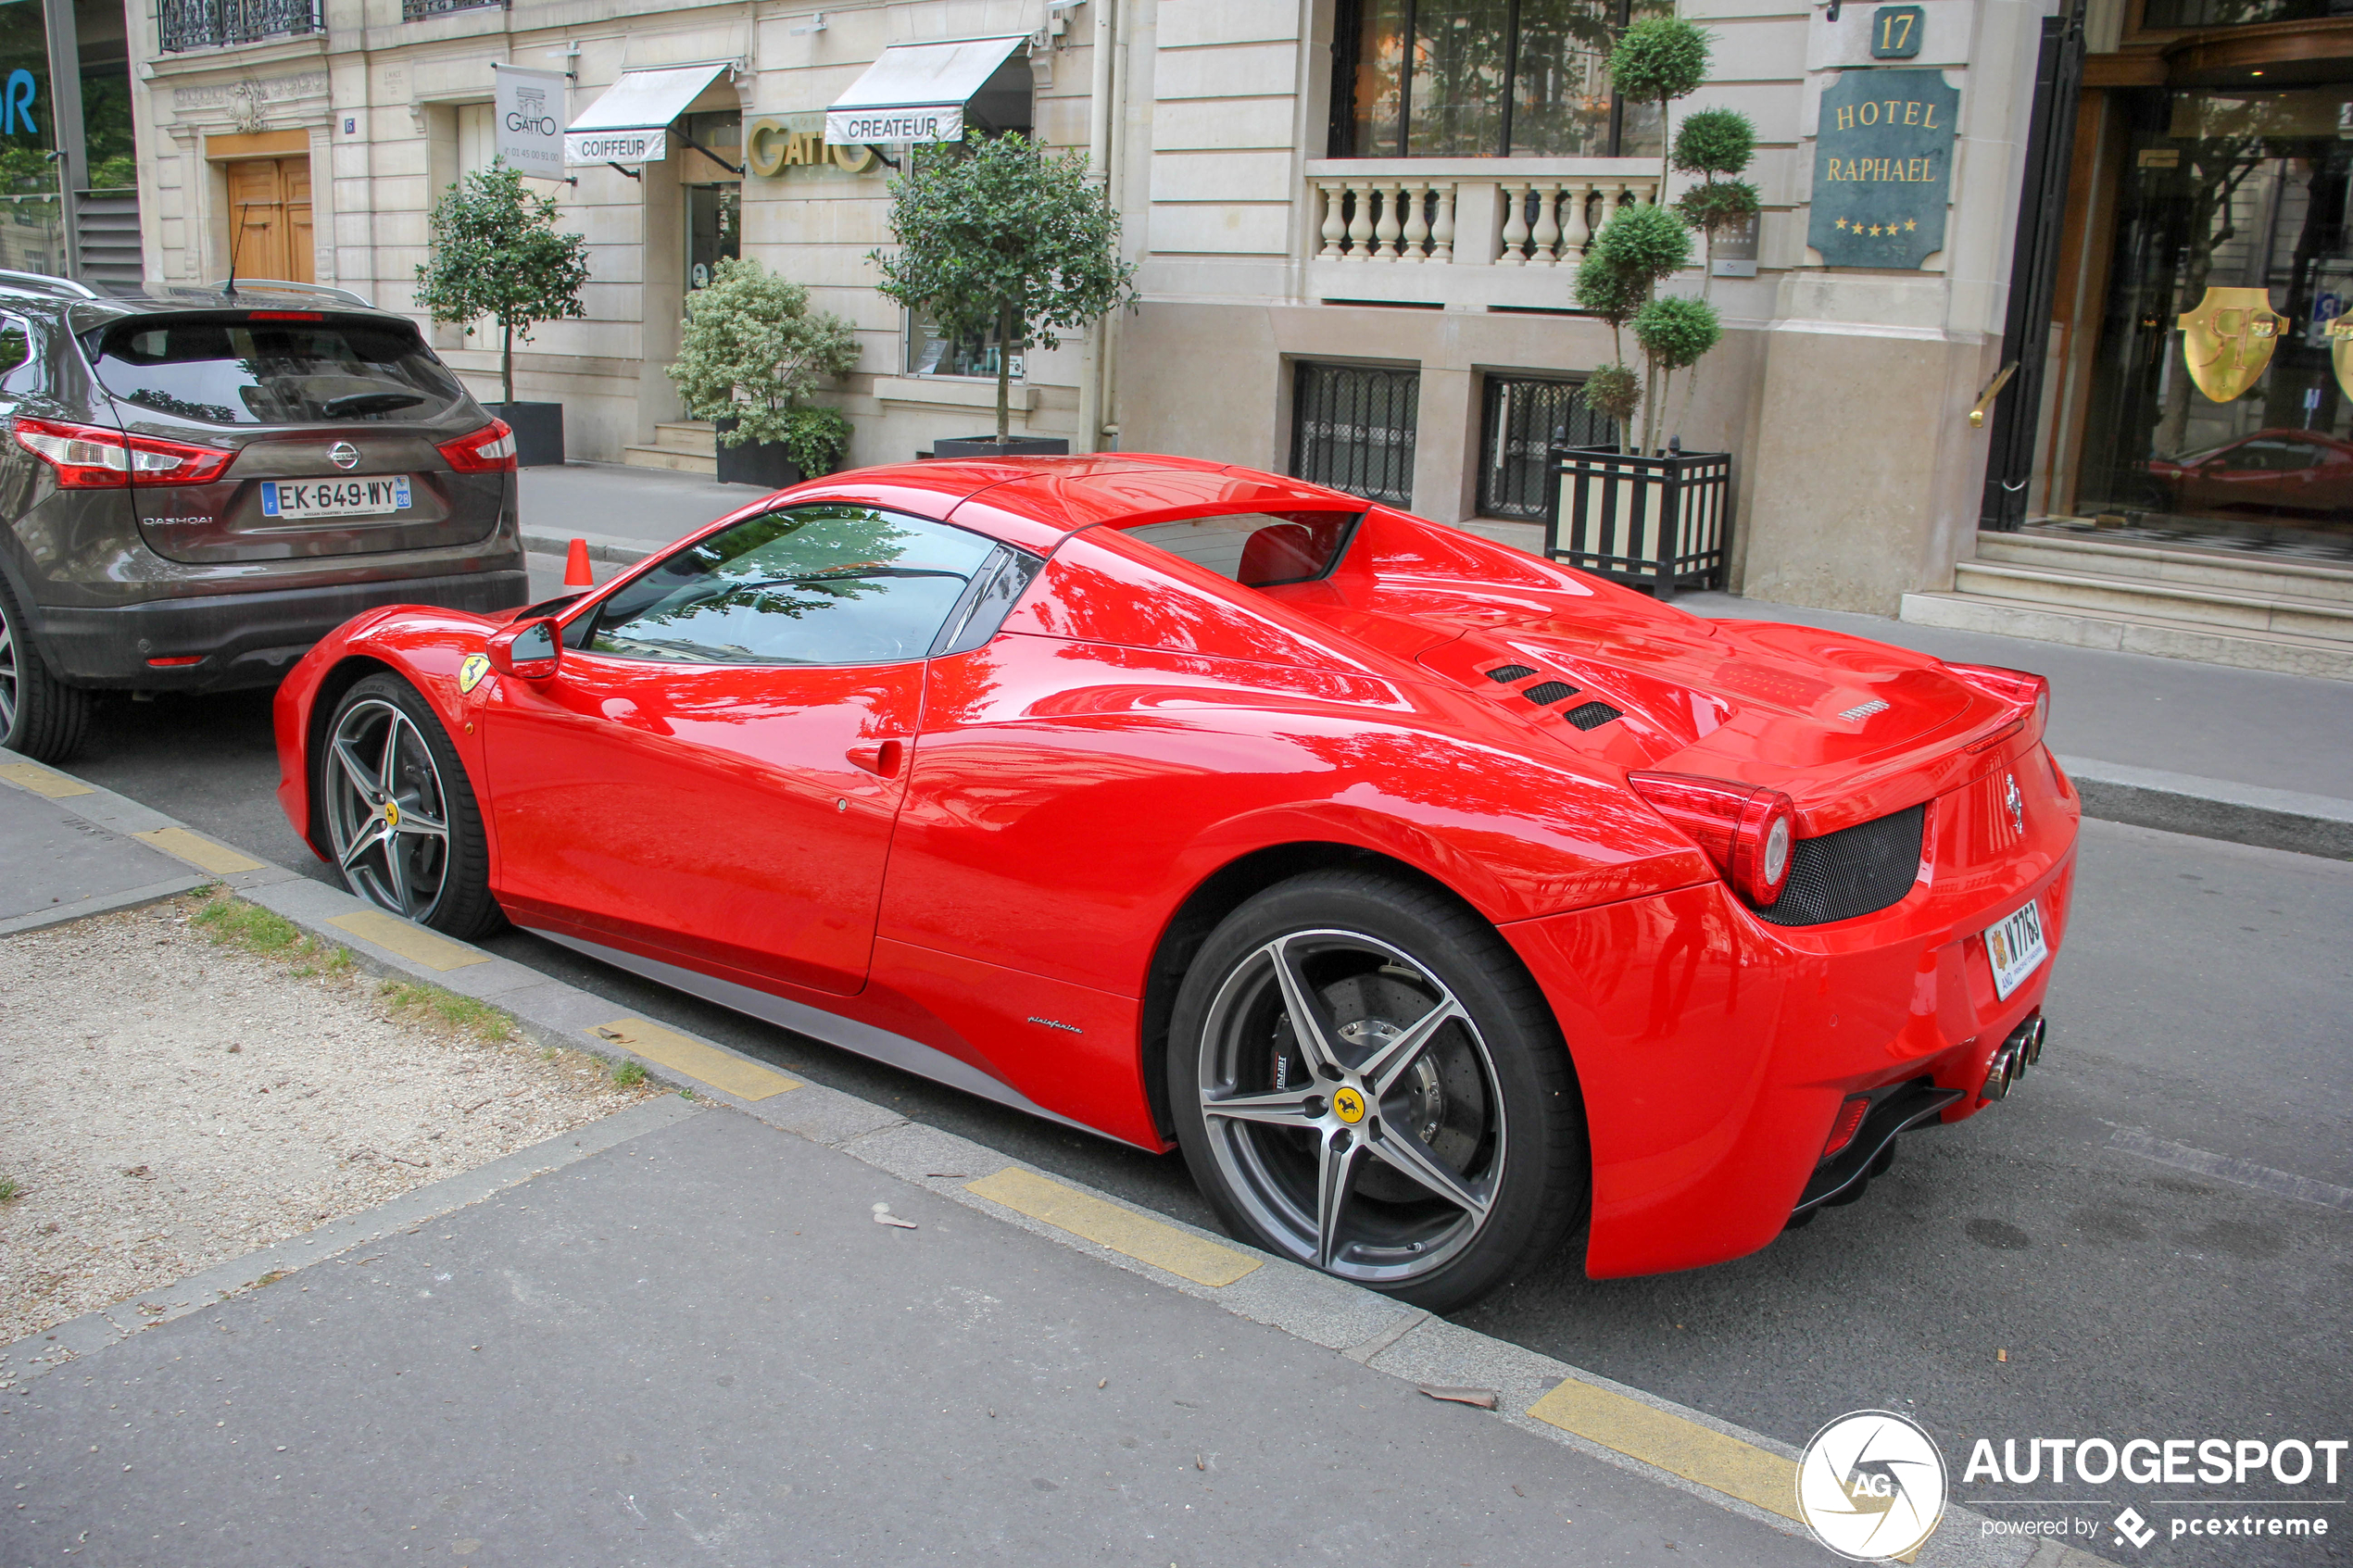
x=1497, y=212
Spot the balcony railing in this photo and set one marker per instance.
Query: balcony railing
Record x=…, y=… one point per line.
x=422, y=10
x=1498, y=212
x=207, y=24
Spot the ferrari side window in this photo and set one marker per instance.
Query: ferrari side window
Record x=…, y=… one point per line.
x=1256, y=550
x=828, y=584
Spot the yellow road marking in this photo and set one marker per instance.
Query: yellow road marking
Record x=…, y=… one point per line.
x=41, y=781
x=708, y=1064
x=409, y=940
x=203, y=853
x=1150, y=1241
x=1676, y=1446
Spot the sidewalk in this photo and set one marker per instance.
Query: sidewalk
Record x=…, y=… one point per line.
x=2166, y=743
x=683, y=1333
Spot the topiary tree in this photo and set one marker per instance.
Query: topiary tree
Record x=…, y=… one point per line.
x=1637, y=249
x=750, y=350
x=994, y=235
x=1674, y=332
x=1659, y=60
x=496, y=253
x=1715, y=144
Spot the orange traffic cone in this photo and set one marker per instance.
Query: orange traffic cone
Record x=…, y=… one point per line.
x=576, y=573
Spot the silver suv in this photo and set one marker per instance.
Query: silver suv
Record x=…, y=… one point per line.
x=197, y=485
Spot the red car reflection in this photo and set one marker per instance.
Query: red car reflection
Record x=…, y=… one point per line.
x=2272, y=470
x=1433, y=898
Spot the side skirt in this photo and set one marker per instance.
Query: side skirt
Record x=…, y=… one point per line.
x=881, y=1045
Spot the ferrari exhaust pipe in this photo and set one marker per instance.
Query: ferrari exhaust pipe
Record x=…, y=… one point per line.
x=2022, y=1050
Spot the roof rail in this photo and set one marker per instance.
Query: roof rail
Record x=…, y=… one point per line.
x=281, y=285
x=44, y=283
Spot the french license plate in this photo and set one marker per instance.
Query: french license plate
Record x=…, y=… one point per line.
x=2016, y=948
x=335, y=498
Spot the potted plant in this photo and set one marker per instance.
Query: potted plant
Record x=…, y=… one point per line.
x=1644, y=511
x=497, y=254
x=995, y=236
x=750, y=352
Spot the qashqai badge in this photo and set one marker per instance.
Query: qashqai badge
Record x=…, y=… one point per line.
x=344, y=455
x=1871, y=1486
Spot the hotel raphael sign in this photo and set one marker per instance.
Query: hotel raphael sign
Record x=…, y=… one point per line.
x=1883, y=167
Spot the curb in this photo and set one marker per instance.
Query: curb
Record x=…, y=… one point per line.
x=2271, y=818
x=613, y=548
x=1713, y=1460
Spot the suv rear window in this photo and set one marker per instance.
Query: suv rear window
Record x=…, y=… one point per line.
x=240, y=370
x=1255, y=549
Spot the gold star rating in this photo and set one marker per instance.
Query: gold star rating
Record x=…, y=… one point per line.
x=1909, y=225
x=1841, y=225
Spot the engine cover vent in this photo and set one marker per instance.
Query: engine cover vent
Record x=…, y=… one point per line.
x=1592, y=715
x=1546, y=692
x=1510, y=673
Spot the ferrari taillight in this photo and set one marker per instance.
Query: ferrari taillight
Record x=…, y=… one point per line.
x=490, y=449
x=91, y=458
x=2021, y=688
x=1745, y=830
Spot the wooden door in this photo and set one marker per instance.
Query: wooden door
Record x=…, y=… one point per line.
x=270, y=218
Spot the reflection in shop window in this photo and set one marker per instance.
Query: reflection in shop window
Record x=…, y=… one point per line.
x=933, y=351
x=1485, y=79
x=2245, y=192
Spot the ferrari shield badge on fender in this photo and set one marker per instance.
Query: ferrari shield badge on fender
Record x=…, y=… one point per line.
x=2227, y=341
x=470, y=672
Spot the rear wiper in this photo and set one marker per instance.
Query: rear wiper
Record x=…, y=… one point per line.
x=356, y=403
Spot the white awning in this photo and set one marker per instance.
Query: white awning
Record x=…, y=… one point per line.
x=917, y=92
x=631, y=123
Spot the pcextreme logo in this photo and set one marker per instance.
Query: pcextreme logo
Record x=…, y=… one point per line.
x=1871, y=1486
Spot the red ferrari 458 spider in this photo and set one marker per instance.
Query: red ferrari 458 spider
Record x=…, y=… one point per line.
x=1435, y=899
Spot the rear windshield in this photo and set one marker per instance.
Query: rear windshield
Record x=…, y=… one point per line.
x=238, y=370
x=1256, y=550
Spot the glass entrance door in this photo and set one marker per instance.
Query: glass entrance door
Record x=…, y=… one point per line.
x=714, y=229
x=2233, y=216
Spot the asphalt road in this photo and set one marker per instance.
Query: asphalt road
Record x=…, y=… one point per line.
x=2026, y=1274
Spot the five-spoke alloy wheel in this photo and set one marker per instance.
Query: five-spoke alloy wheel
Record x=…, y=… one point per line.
x=401, y=817
x=1365, y=1080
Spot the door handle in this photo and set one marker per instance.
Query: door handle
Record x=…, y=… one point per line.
x=880, y=757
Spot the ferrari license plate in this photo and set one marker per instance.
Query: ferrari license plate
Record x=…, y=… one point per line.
x=2016, y=948
x=335, y=498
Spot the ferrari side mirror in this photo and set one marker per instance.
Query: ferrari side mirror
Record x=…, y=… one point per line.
x=529, y=650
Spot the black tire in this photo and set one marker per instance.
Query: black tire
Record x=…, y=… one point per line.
x=39, y=716
x=1461, y=1085
x=398, y=813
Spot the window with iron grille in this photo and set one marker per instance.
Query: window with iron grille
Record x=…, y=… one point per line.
x=207, y=24
x=1485, y=79
x=1521, y=419
x=1352, y=429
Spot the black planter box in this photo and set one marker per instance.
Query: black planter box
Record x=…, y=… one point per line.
x=1014, y=447
x=539, y=431
x=1660, y=523
x=766, y=464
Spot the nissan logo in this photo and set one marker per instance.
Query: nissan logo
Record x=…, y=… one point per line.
x=344, y=455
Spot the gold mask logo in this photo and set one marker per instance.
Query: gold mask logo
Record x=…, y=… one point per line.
x=2227, y=341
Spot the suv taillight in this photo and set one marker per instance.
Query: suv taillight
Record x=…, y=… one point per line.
x=490, y=449
x=1746, y=831
x=90, y=458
